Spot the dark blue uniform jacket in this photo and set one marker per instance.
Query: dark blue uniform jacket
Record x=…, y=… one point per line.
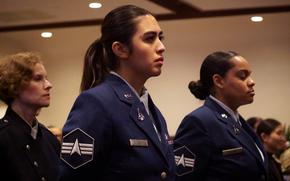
x=23, y=158
x=110, y=136
x=211, y=146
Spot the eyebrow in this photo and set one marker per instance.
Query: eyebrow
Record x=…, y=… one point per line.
x=246, y=71
x=153, y=33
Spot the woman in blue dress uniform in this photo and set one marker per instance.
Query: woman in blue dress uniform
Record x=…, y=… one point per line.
x=28, y=150
x=114, y=131
x=214, y=142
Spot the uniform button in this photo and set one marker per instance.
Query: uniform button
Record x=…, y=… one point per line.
x=43, y=179
x=28, y=147
x=35, y=163
x=5, y=121
x=163, y=175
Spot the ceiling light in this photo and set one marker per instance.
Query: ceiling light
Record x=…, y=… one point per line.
x=95, y=5
x=46, y=34
x=256, y=18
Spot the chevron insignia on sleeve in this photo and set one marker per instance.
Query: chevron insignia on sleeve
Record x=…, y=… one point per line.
x=77, y=148
x=184, y=160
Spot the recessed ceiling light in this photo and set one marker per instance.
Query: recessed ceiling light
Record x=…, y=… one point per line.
x=95, y=5
x=256, y=18
x=46, y=34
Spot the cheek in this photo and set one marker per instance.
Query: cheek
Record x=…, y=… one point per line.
x=278, y=142
x=239, y=86
x=30, y=92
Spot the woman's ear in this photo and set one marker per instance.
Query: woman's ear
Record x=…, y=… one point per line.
x=120, y=50
x=264, y=137
x=218, y=80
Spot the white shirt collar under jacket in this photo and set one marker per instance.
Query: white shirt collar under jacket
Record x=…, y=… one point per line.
x=143, y=98
x=234, y=115
x=34, y=131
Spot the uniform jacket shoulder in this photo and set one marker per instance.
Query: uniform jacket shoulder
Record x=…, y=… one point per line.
x=4, y=124
x=202, y=113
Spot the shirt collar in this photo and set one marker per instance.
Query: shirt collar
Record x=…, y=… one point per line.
x=143, y=98
x=234, y=115
x=34, y=131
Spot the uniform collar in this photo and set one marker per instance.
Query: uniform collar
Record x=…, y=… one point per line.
x=234, y=115
x=143, y=98
x=32, y=131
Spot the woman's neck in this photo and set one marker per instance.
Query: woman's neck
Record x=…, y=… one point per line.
x=136, y=82
x=27, y=113
x=230, y=104
x=268, y=149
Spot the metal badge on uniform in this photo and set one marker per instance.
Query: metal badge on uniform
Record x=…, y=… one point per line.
x=232, y=151
x=224, y=116
x=168, y=139
x=138, y=142
x=77, y=148
x=185, y=160
x=127, y=95
x=140, y=115
x=236, y=129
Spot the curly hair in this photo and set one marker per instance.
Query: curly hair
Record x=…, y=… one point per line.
x=16, y=72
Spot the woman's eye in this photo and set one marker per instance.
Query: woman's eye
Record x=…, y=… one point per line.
x=242, y=75
x=150, y=38
x=37, y=78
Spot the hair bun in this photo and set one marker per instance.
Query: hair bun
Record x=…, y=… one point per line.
x=198, y=90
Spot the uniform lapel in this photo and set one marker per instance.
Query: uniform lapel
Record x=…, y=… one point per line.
x=236, y=130
x=144, y=122
x=137, y=112
x=252, y=134
x=159, y=120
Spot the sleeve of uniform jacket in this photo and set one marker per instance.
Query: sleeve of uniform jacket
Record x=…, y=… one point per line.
x=89, y=116
x=192, y=141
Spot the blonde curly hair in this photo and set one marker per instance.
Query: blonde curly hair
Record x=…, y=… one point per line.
x=16, y=72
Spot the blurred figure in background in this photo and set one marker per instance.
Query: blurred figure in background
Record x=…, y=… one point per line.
x=271, y=133
x=28, y=150
x=284, y=159
x=56, y=131
x=254, y=122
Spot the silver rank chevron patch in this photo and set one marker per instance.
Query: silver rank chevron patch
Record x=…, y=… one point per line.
x=77, y=148
x=185, y=160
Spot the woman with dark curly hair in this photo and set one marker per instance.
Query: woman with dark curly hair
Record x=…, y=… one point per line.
x=28, y=151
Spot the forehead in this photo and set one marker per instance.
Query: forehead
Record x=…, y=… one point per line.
x=147, y=23
x=278, y=128
x=240, y=63
x=39, y=69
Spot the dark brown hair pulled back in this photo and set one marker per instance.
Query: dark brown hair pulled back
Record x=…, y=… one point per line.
x=215, y=63
x=118, y=25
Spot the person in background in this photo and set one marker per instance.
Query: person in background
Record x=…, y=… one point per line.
x=254, y=122
x=213, y=142
x=28, y=150
x=114, y=131
x=271, y=133
x=284, y=159
x=56, y=132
